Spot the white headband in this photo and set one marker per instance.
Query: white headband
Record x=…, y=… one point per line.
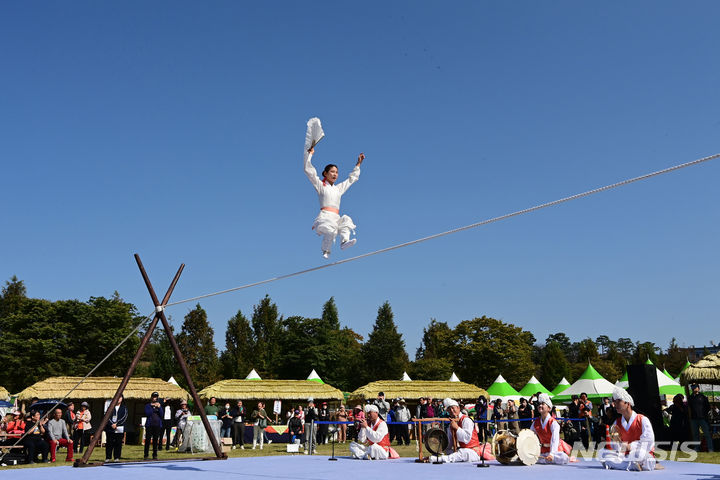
x=449, y=402
x=371, y=408
x=621, y=394
x=545, y=398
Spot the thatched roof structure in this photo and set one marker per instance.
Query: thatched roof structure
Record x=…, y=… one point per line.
x=418, y=388
x=705, y=370
x=4, y=394
x=270, y=390
x=101, y=388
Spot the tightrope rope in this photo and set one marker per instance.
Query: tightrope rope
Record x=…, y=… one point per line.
x=455, y=230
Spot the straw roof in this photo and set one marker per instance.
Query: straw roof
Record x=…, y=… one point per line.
x=705, y=370
x=101, y=387
x=270, y=390
x=418, y=388
x=4, y=394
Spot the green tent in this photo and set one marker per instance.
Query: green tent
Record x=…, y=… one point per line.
x=590, y=382
x=532, y=387
x=503, y=390
x=561, y=387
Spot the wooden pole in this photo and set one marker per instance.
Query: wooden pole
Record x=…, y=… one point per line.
x=181, y=360
x=130, y=371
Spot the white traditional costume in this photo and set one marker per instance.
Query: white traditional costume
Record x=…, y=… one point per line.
x=469, y=448
x=548, y=432
x=638, y=433
x=377, y=437
x=328, y=223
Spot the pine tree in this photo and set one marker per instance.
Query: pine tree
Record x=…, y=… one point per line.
x=13, y=295
x=266, y=327
x=384, y=354
x=163, y=363
x=237, y=359
x=198, y=347
x=330, y=315
x=554, y=365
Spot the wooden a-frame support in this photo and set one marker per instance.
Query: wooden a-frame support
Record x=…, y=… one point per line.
x=159, y=315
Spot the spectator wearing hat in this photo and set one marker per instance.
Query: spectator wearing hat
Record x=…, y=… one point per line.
x=323, y=416
x=481, y=409
x=390, y=419
x=115, y=431
x=382, y=405
x=153, y=425
x=181, y=417
x=341, y=415
x=311, y=415
x=81, y=433
x=699, y=413
x=402, y=414
x=15, y=428
x=296, y=427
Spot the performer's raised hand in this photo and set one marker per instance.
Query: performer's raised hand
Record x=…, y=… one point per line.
x=361, y=157
x=453, y=424
x=311, y=150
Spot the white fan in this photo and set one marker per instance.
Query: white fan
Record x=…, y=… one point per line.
x=314, y=133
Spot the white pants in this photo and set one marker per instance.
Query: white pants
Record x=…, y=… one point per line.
x=462, y=455
x=329, y=225
x=618, y=461
x=374, y=451
x=559, y=458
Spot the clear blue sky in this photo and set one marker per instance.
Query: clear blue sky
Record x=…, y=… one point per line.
x=175, y=130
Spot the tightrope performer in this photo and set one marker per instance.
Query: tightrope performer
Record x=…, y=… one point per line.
x=329, y=224
x=634, y=440
x=552, y=448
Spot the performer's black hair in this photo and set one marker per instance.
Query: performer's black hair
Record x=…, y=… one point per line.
x=328, y=167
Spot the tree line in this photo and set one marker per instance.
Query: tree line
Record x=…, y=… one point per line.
x=41, y=339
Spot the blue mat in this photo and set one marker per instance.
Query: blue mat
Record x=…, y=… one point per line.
x=319, y=468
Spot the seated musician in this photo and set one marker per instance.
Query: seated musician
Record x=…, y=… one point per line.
x=634, y=439
x=374, y=431
x=462, y=435
x=553, y=450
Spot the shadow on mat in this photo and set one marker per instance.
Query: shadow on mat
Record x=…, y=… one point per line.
x=174, y=467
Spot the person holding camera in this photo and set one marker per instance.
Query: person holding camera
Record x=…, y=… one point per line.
x=153, y=425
